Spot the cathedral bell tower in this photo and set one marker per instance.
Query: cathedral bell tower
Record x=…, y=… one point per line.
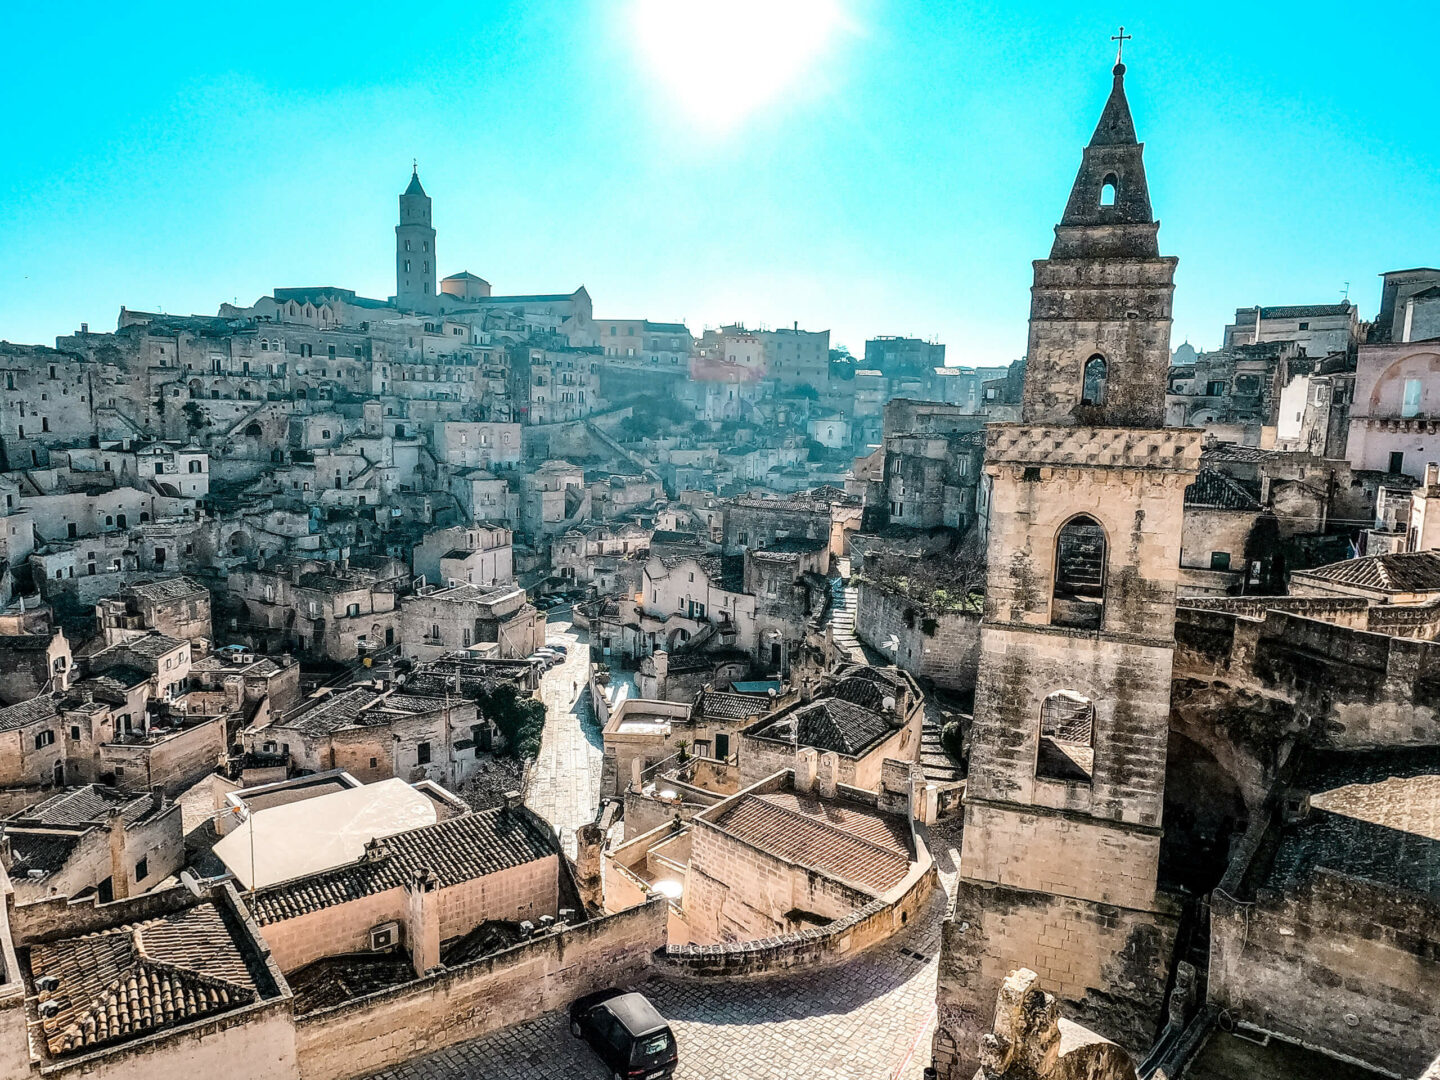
x=1063, y=801
x=415, y=249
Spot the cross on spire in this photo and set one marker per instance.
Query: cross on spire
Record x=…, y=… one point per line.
x=415, y=162
x=1120, y=38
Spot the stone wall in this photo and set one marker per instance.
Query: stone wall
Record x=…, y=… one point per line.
x=869, y=925
x=1106, y=964
x=173, y=763
x=941, y=647
x=526, y=891
x=392, y=1026
x=1343, y=965
x=1345, y=688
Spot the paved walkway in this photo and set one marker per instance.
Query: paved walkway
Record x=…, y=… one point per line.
x=564, y=785
x=868, y=1019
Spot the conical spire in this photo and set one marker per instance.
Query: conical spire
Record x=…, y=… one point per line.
x=1110, y=189
x=1116, y=128
x=416, y=189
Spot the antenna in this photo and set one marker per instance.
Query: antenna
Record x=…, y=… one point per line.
x=1345, y=293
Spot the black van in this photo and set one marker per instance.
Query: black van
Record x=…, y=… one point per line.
x=627, y=1033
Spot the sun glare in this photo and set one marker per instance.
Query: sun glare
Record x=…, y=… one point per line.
x=719, y=61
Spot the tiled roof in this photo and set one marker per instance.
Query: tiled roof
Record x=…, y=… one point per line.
x=167, y=589
x=133, y=980
x=1300, y=311
x=829, y=724
x=25, y=642
x=86, y=805
x=1215, y=490
x=27, y=712
x=715, y=705
x=1234, y=452
x=1416, y=571
x=152, y=645
x=461, y=849
x=856, y=845
x=37, y=855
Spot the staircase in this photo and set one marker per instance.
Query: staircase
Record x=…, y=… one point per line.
x=937, y=766
x=845, y=602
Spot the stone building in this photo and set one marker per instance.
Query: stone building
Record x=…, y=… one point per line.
x=336, y=611
x=434, y=622
x=1396, y=399
x=1318, y=329
x=375, y=733
x=1067, y=769
x=93, y=840
x=475, y=554
x=856, y=719
x=177, y=606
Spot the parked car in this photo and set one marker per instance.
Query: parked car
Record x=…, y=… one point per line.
x=555, y=646
x=627, y=1033
x=547, y=661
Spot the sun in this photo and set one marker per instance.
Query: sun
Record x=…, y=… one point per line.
x=720, y=61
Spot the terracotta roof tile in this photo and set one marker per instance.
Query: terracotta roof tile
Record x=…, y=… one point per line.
x=858, y=846
x=461, y=849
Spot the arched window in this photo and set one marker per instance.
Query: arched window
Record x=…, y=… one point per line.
x=252, y=431
x=1093, y=388
x=1067, y=738
x=1108, y=190
x=1079, y=596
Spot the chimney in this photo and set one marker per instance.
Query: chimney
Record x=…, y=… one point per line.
x=157, y=798
x=1432, y=473
x=806, y=761
x=295, y=571
x=806, y=694
x=513, y=801
x=84, y=327
x=119, y=863
x=829, y=775
x=422, y=922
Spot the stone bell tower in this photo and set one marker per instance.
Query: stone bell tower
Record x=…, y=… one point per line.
x=1067, y=771
x=415, y=250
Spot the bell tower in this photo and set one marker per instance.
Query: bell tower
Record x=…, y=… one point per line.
x=415, y=249
x=1061, y=846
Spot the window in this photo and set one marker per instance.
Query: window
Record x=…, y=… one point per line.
x=1304, y=326
x=374, y=762
x=74, y=732
x=353, y=610
x=1067, y=733
x=142, y=869
x=1219, y=560
x=1079, y=593
x=422, y=753
x=44, y=739
x=1410, y=406
x=1397, y=461
x=1108, y=190
x=1215, y=388
x=1093, y=389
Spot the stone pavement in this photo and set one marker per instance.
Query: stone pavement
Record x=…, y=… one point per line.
x=564, y=783
x=867, y=1019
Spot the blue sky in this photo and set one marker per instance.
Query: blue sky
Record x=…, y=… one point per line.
x=867, y=166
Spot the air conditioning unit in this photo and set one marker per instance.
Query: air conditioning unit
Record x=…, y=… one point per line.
x=385, y=936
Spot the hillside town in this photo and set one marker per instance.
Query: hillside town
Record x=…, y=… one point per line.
x=380, y=676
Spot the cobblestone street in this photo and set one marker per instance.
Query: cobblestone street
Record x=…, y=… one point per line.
x=564, y=786
x=869, y=1019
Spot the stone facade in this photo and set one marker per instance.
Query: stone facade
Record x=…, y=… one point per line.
x=1062, y=816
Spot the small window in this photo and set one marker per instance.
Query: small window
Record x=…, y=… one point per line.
x=1397, y=461
x=142, y=869
x=422, y=753
x=1093, y=388
x=44, y=739
x=1108, y=190
x=1219, y=560
x=74, y=732
x=374, y=762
